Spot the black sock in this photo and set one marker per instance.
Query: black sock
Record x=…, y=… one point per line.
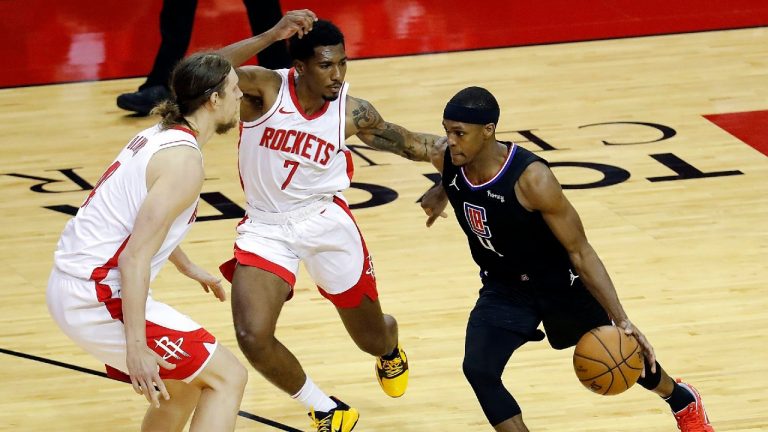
x=391, y=356
x=680, y=398
x=651, y=380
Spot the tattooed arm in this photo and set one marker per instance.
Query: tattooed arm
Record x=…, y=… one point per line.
x=364, y=121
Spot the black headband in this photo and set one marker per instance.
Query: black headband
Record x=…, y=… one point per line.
x=464, y=114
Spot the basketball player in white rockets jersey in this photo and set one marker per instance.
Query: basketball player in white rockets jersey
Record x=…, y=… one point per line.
x=294, y=165
x=129, y=225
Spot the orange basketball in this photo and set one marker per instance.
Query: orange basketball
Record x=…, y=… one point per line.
x=607, y=361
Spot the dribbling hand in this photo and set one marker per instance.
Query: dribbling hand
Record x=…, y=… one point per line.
x=143, y=369
x=648, y=352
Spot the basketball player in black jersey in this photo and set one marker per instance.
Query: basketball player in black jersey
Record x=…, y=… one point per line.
x=536, y=265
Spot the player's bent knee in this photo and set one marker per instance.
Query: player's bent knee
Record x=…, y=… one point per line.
x=478, y=375
x=254, y=341
x=235, y=376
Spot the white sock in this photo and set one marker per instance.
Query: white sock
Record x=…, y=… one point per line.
x=312, y=397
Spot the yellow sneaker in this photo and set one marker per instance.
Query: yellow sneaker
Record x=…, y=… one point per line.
x=393, y=374
x=343, y=418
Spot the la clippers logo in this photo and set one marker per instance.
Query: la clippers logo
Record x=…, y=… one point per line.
x=172, y=349
x=476, y=218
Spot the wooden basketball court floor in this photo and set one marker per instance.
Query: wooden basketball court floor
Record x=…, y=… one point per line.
x=684, y=237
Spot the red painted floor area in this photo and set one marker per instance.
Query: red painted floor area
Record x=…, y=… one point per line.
x=750, y=127
x=47, y=41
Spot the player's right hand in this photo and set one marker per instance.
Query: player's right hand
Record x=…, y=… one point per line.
x=293, y=22
x=145, y=374
x=434, y=202
x=648, y=351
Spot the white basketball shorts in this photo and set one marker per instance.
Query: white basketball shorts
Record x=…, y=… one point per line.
x=324, y=236
x=97, y=327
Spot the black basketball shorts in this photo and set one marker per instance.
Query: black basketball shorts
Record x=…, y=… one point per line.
x=566, y=310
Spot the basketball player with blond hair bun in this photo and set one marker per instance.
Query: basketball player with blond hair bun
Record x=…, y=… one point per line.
x=129, y=225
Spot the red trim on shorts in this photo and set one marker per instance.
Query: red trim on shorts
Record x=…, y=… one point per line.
x=366, y=285
x=227, y=269
x=183, y=349
x=117, y=374
x=252, y=260
x=103, y=291
x=295, y=99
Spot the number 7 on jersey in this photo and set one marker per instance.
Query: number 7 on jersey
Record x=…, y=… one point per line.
x=293, y=165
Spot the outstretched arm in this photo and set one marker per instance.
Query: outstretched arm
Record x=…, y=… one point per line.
x=538, y=189
x=364, y=121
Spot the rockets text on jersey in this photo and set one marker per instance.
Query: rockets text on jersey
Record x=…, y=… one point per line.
x=289, y=159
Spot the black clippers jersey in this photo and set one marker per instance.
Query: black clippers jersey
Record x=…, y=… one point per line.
x=508, y=242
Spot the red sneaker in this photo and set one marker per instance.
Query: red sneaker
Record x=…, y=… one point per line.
x=693, y=418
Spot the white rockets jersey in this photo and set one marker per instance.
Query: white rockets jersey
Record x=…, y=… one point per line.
x=92, y=241
x=288, y=159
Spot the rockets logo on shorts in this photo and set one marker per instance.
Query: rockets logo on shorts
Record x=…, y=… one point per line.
x=172, y=349
x=476, y=218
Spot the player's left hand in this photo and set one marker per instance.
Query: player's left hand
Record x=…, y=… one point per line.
x=295, y=22
x=434, y=202
x=648, y=352
x=209, y=282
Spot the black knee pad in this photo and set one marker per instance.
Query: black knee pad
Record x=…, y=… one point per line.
x=477, y=374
